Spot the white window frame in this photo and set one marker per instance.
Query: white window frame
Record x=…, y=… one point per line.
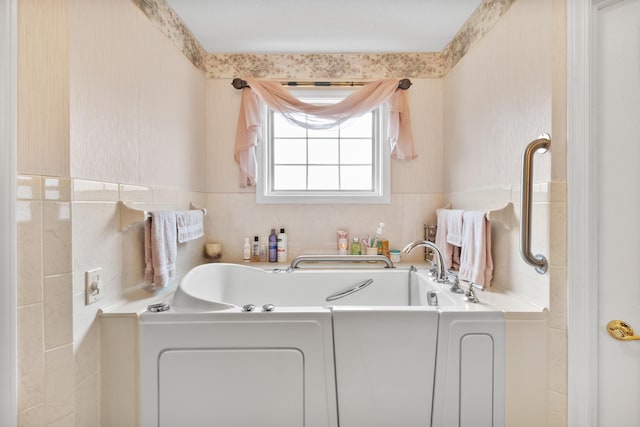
x=381, y=194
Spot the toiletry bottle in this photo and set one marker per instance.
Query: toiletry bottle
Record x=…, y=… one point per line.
x=380, y=241
x=246, y=252
x=273, y=246
x=263, y=253
x=282, y=246
x=255, y=249
x=356, y=248
x=342, y=242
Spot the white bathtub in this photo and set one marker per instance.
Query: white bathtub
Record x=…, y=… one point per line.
x=381, y=356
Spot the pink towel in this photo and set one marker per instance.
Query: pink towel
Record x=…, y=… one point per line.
x=160, y=248
x=450, y=253
x=476, y=264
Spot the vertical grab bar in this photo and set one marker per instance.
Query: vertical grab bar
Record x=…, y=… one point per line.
x=539, y=262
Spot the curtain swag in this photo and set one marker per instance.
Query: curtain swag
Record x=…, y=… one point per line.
x=280, y=99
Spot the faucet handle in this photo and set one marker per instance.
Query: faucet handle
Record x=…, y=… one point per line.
x=455, y=288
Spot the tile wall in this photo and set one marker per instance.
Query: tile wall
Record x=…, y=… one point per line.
x=59, y=365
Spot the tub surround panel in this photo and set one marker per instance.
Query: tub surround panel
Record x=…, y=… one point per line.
x=498, y=99
x=510, y=272
x=141, y=122
x=312, y=229
x=43, y=97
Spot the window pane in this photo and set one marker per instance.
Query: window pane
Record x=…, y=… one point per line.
x=282, y=128
x=323, y=151
x=324, y=133
x=356, y=178
x=356, y=151
x=360, y=127
x=323, y=178
x=288, y=151
x=289, y=178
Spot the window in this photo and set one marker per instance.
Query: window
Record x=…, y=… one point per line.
x=345, y=164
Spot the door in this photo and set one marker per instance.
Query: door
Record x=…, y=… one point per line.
x=617, y=134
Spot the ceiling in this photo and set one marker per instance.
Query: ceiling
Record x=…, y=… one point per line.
x=327, y=26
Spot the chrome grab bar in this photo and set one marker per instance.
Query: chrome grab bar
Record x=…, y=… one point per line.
x=341, y=258
x=538, y=261
x=356, y=288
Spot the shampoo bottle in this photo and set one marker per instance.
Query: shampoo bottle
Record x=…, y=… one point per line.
x=255, y=249
x=246, y=252
x=282, y=246
x=273, y=246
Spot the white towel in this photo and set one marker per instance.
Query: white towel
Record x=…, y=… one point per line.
x=160, y=248
x=190, y=225
x=454, y=227
x=476, y=263
x=450, y=253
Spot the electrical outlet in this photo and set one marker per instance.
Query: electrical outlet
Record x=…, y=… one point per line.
x=93, y=286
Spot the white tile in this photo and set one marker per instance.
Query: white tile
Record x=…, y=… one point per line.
x=31, y=378
x=558, y=298
x=32, y=417
x=558, y=361
x=60, y=383
x=28, y=187
x=58, y=311
x=68, y=420
x=96, y=241
x=58, y=189
x=557, y=410
x=87, y=352
x=86, y=191
x=56, y=238
x=135, y=193
x=29, y=251
x=88, y=403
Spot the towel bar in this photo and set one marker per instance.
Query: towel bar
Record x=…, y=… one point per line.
x=502, y=215
x=130, y=216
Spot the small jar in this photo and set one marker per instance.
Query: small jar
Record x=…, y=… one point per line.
x=394, y=255
x=356, y=247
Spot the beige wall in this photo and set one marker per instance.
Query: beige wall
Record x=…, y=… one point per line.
x=415, y=185
x=109, y=110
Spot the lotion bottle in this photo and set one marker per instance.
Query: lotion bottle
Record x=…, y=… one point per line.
x=282, y=246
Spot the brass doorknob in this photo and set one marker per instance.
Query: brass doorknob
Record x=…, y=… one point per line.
x=621, y=331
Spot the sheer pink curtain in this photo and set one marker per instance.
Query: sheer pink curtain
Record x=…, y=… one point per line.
x=311, y=116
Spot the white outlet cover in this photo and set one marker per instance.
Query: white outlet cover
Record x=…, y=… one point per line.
x=93, y=286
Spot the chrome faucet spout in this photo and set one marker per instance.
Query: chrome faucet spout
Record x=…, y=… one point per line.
x=441, y=269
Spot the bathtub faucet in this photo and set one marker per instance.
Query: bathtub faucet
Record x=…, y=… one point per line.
x=442, y=275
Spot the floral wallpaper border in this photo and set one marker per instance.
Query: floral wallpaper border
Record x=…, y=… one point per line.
x=478, y=24
x=324, y=66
